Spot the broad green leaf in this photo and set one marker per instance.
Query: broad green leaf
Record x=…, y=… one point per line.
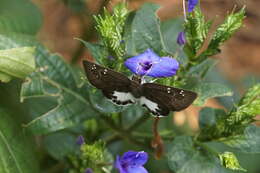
x=201, y=69
x=53, y=79
x=61, y=144
x=16, y=62
x=98, y=51
x=170, y=30
x=16, y=147
x=210, y=90
x=208, y=117
x=184, y=157
x=20, y=16
x=143, y=32
x=249, y=142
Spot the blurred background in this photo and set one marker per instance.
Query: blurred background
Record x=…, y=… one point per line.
x=239, y=61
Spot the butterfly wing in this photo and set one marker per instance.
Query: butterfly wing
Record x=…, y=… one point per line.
x=167, y=98
x=114, y=85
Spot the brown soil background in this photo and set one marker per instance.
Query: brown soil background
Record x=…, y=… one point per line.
x=239, y=56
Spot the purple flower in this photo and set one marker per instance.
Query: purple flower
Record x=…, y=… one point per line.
x=88, y=170
x=150, y=64
x=80, y=140
x=132, y=162
x=192, y=4
x=181, y=40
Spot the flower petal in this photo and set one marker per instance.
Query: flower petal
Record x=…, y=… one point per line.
x=80, y=140
x=88, y=170
x=192, y=4
x=166, y=67
x=118, y=165
x=134, y=63
x=136, y=169
x=133, y=158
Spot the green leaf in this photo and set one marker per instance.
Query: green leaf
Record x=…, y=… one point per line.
x=229, y=160
x=61, y=144
x=55, y=79
x=16, y=62
x=183, y=157
x=20, y=16
x=170, y=30
x=231, y=24
x=16, y=151
x=144, y=31
x=249, y=142
x=208, y=117
x=98, y=51
x=196, y=30
x=210, y=90
x=247, y=109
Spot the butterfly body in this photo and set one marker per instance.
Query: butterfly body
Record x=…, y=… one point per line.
x=117, y=87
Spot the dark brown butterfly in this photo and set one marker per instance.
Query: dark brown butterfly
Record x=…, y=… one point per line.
x=117, y=87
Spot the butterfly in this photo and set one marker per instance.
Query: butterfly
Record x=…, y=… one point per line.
x=117, y=87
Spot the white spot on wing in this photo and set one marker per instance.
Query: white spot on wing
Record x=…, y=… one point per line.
x=124, y=96
x=149, y=104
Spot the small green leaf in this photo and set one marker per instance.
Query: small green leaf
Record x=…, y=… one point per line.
x=210, y=90
x=144, y=31
x=249, y=142
x=16, y=151
x=16, y=62
x=229, y=160
x=183, y=157
x=231, y=24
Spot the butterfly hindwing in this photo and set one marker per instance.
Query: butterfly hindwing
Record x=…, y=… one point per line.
x=114, y=85
x=174, y=99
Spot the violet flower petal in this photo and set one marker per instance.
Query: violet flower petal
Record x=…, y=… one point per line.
x=166, y=67
x=192, y=4
x=80, y=140
x=141, y=63
x=133, y=158
x=136, y=169
x=118, y=165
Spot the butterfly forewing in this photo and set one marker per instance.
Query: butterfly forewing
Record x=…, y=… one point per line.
x=114, y=85
x=174, y=99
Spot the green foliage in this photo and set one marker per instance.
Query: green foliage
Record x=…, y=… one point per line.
x=17, y=149
x=16, y=62
x=231, y=24
x=196, y=29
x=210, y=90
x=143, y=31
x=230, y=161
x=111, y=28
